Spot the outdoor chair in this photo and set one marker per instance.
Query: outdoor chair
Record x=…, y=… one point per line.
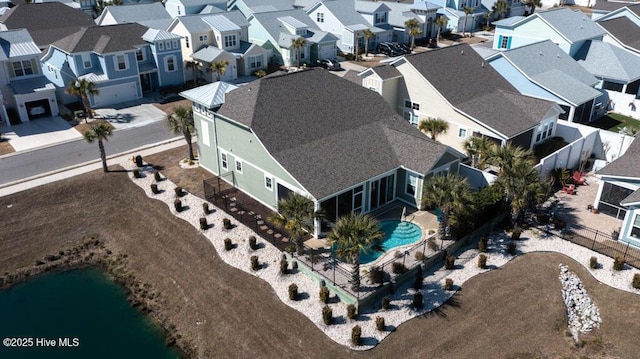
x=578, y=179
x=569, y=189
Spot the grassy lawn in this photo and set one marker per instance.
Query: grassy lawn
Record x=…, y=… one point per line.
x=615, y=122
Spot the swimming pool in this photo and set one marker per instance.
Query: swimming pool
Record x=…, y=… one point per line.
x=396, y=234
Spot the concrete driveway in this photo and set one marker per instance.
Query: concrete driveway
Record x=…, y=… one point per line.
x=136, y=115
x=39, y=133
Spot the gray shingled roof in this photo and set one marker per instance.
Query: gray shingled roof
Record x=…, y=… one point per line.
x=207, y=54
x=346, y=12
x=274, y=28
x=104, y=39
x=627, y=165
x=386, y=72
x=625, y=30
x=138, y=13
x=321, y=138
x=475, y=88
x=545, y=63
x=259, y=6
x=352, y=76
x=197, y=24
x=46, y=22
x=609, y=5
x=401, y=12
x=609, y=61
x=633, y=198
x=574, y=25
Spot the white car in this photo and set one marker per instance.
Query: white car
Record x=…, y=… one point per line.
x=38, y=110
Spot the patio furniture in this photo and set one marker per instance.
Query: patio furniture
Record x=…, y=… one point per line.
x=569, y=189
x=578, y=179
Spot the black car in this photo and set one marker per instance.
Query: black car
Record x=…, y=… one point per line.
x=389, y=49
x=428, y=42
x=403, y=47
x=328, y=64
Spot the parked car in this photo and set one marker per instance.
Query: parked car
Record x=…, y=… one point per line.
x=428, y=42
x=403, y=47
x=389, y=49
x=329, y=64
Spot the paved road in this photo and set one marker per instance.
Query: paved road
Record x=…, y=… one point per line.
x=40, y=161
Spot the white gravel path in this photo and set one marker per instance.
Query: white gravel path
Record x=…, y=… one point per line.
x=401, y=310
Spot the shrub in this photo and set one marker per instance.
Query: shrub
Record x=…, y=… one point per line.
x=139, y=161
x=356, y=334
x=226, y=223
x=386, y=303
x=482, y=244
x=417, y=301
x=450, y=262
x=260, y=73
x=351, y=311
x=252, y=243
x=398, y=268
x=618, y=263
x=511, y=248
x=293, y=291
x=593, y=262
x=515, y=235
x=448, y=284
x=431, y=243
x=205, y=208
x=178, y=205
x=178, y=190
x=294, y=265
x=324, y=294
x=156, y=176
x=203, y=223
x=227, y=244
x=284, y=265
x=419, y=256
x=418, y=281
x=482, y=261
x=136, y=173
x=380, y=323
x=290, y=248
x=327, y=315
x=255, y=265
x=376, y=275
x=154, y=188
x=431, y=231
x=636, y=281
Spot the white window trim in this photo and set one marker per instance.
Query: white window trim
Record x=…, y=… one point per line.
x=224, y=160
x=85, y=59
x=126, y=62
x=408, y=182
x=268, y=177
x=204, y=126
x=460, y=129
x=238, y=162
x=166, y=64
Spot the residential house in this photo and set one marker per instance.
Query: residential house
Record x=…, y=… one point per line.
x=250, y=7
x=274, y=31
x=342, y=19
x=514, y=8
x=153, y=15
x=123, y=61
x=385, y=80
x=459, y=21
x=218, y=37
x=279, y=135
x=567, y=28
x=46, y=22
x=619, y=193
x=191, y=7
x=545, y=71
x=207, y=99
x=24, y=92
x=456, y=85
x=622, y=32
x=603, y=7
x=424, y=12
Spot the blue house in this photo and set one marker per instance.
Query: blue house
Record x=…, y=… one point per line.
x=123, y=61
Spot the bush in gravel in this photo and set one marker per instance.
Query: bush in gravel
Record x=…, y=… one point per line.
x=226, y=223
x=136, y=173
x=593, y=262
x=356, y=334
x=448, y=284
x=205, y=208
x=154, y=188
x=386, y=303
x=290, y=248
x=482, y=261
x=417, y=301
x=327, y=315
x=515, y=235
x=512, y=248
x=482, y=244
x=419, y=256
x=636, y=281
x=324, y=294
x=203, y=223
x=398, y=268
x=284, y=265
x=376, y=275
x=156, y=176
x=293, y=291
x=227, y=244
x=351, y=311
x=252, y=243
x=618, y=263
x=255, y=265
x=417, y=284
x=380, y=323
x=450, y=262
x=178, y=190
x=178, y=205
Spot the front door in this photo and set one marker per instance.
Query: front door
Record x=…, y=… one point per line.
x=145, y=82
x=381, y=191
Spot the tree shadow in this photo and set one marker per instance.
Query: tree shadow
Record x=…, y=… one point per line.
x=303, y=296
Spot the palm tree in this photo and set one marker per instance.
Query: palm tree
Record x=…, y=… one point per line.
x=468, y=10
x=487, y=18
x=83, y=88
x=368, y=35
x=413, y=26
x=195, y=68
x=180, y=120
x=434, y=127
x=478, y=148
x=296, y=214
x=451, y=193
x=441, y=21
x=532, y=4
x=297, y=44
x=219, y=67
x=501, y=7
x=100, y=131
x=354, y=233
x=522, y=187
x=503, y=156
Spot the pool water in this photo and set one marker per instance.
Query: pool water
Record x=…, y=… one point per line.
x=396, y=234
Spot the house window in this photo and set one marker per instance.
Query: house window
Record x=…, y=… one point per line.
x=635, y=229
x=22, y=68
x=505, y=42
x=380, y=18
x=204, y=128
x=320, y=17
x=412, y=105
x=139, y=55
x=225, y=164
x=121, y=62
x=550, y=130
x=186, y=41
x=179, y=10
x=411, y=117
x=161, y=46
x=412, y=184
x=86, y=60
x=204, y=37
x=170, y=63
x=238, y=166
x=462, y=132
x=175, y=44
x=255, y=62
x=268, y=182
x=229, y=40
x=301, y=32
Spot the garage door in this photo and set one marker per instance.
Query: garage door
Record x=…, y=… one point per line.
x=327, y=52
x=115, y=94
x=37, y=109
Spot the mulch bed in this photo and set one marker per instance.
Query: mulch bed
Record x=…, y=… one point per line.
x=6, y=148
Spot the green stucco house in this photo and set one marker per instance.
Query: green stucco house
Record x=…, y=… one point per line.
x=317, y=134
